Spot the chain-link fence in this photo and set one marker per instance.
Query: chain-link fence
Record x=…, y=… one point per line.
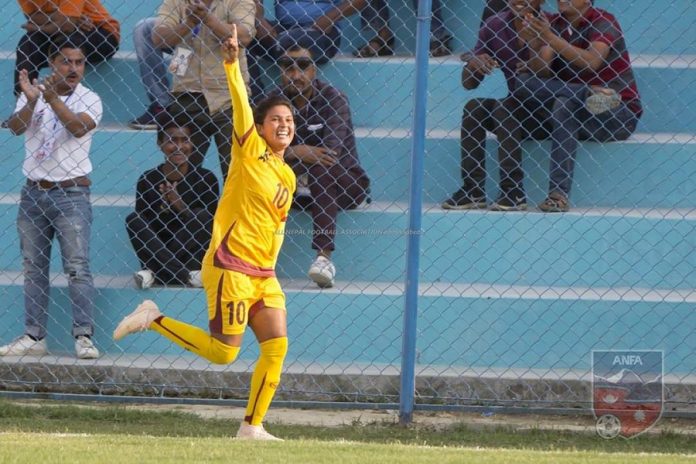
x=558, y=197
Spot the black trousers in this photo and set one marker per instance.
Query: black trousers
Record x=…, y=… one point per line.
x=511, y=123
x=193, y=106
x=171, y=249
x=33, y=47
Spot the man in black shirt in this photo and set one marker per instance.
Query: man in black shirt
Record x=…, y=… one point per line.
x=174, y=208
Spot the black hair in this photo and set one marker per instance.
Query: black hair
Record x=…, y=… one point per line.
x=166, y=120
x=65, y=41
x=267, y=103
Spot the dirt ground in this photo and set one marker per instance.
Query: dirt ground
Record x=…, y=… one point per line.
x=334, y=418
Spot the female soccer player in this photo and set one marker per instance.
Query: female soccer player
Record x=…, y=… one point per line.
x=238, y=268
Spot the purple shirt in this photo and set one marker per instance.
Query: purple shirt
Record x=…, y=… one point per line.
x=498, y=38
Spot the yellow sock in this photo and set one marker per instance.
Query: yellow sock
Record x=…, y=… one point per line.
x=195, y=340
x=265, y=379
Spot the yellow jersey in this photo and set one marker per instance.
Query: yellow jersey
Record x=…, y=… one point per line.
x=249, y=224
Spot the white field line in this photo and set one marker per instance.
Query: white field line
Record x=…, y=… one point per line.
x=427, y=289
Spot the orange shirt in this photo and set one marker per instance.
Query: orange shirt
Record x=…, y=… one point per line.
x=249, y=224
x=92, y=9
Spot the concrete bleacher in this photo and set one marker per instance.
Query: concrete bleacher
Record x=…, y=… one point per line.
x=516, y=290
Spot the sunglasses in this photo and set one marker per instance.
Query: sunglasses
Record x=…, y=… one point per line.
x=302, y=63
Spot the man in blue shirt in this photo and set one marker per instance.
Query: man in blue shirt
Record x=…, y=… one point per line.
x=313, y=25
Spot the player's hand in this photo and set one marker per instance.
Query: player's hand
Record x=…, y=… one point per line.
x=309, y=154
x=482, y=64
x=230, y=46
x=30, y=89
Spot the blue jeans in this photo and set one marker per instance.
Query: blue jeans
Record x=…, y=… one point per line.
x=153, y=68
x=375, y=16
x=570, y=122
x=65, y=213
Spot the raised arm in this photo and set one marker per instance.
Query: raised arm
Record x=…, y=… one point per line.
x=242, y=115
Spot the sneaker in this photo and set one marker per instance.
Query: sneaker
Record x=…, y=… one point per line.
x=322, y=272
x=195, y=279
x=85, y=349
x=510, y=202
x=144, y=279
x=24, y=345
x=254, y=432
x=461, y=200
x=138, y=320
x=147, y=120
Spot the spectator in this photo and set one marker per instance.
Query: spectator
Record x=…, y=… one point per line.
x=585, y=77
x=153, y=73
x=375, y=16
x=324, y=152
x=58, y=117
x=48, y=21
x=194, y=30
x=505, y=41
x=313, y=25
x=174, y=208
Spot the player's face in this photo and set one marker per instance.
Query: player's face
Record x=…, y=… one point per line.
x=176, y=145
x=278, y=128
x=69, y=66
x=297, y=72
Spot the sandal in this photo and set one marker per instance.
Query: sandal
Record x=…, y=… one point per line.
x=555, y=203
x=440, y=48
x=375, y=47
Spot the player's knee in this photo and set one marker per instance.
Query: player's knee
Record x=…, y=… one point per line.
x=274, y=349
x=221, y=353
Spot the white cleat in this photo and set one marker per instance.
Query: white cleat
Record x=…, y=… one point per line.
x=138, y=320
x=255, y=432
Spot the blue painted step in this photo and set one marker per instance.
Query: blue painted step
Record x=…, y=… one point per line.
x=365, y=329
x=600, y=249
x=668, y=93
x=651, y=171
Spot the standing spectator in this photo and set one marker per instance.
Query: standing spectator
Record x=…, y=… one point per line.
x=324, y=152
x=239, y=268
x=313, y=25
x=194, y=29
x=48, y=21
x=588, y=83
x=153, y=73
x=505, y=41
x=58, y=117
x=375, y=16
x=174, y=208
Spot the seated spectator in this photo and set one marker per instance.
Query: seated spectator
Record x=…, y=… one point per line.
x=195, y=29
x=153, y=73
x=174, y=208
x=85, y=20
x=313, y=25
x=375, y=17
x=58, y=118
x=585, y=76
x=324, y=152
x=505, y=41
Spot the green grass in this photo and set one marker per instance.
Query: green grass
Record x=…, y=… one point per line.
x=67, y=433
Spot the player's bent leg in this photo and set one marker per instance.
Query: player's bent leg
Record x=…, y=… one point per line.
x=197, y=340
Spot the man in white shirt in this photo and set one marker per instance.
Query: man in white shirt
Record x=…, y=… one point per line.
x=58, y=117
